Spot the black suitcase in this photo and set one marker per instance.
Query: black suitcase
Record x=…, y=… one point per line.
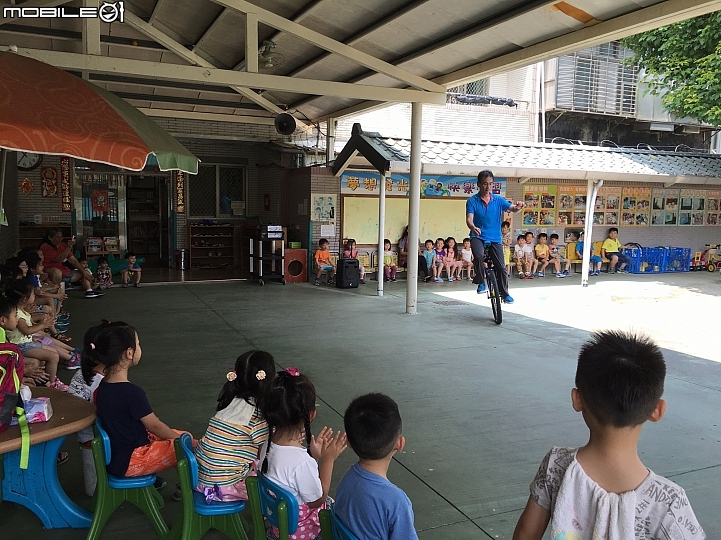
x=348, y=274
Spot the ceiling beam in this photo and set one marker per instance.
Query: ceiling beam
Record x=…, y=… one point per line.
x=30, y=4
x=251, y=42
x=210, y=28
x=69, y=35
x=156, y=10
x=641, y=20
x=224, y=77
x=304, y=12
x=331, y=45
x=189, y=56
x=91, y=30
x=215, y=117
x=200, y=102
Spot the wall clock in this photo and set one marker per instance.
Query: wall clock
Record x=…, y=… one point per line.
x=27, y=161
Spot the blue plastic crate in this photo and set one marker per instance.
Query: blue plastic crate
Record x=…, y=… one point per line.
x=678, y=260
x=646, y=260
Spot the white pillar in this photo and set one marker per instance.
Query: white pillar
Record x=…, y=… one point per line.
x=591, y=193
x=414, y=208
x=381, y=230
x=330, y=141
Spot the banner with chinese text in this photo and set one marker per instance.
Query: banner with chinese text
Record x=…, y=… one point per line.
x=713, y=207
x=540, y=204
x=366, y=183
x=664, y=209
x=636, y=207
x=65, y=185
x=693, y=207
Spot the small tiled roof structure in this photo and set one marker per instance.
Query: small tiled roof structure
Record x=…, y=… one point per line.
x=557, y=161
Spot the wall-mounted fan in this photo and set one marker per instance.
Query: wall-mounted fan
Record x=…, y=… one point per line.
x=267, y=58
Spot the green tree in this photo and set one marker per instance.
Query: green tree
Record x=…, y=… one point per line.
x=684, y=61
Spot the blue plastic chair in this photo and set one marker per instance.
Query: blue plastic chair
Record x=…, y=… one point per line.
x=197, y=515
x=277, y=505
x=112, y=491
x=332, y=528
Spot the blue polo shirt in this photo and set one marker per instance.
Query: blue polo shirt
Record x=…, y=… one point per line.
x=488, y=217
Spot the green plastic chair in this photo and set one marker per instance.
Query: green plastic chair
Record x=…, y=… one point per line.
x=270, y=501
x=197, y=516
x=112, y=491
x=331, y=527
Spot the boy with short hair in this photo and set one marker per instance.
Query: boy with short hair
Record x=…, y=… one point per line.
x=603, y=490
x=595, y=262
x=506, y=241
x=323, y=263
x=91, y=278
x=542, y=253
x=611, y=250
x=366, y=501
x=557, y=259
x=429, y=254
x=520, y=256
x=130, y=270
x=529, y=250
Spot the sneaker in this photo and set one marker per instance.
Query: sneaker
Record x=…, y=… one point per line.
x=427, y=279
x=160, y=483
x=597, y=273
x=393, y=279
x=331, y=282
x=126, y=285
x=566, y=273
x=137, y=285
x=508, y=299
x=362, y=281
x=529, y=276
x=450, y=279
x=611, y=271
x=560, y=274
x=74, y=362
x=177, y=494
x=481, y=288
x=57, y=384
x=540, y=274
x=438, y=280
x=68, y=287
x=316, y=282
x=93, y=294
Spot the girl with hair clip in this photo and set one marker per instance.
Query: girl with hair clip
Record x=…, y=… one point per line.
x=230, y=449
x=452, y=260
x=352, y=253
x=293, y=450
x=140, y=443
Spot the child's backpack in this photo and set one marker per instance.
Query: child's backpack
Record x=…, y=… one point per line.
x=11, y=376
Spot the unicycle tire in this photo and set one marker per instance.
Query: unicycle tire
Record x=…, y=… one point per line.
x=495, y=296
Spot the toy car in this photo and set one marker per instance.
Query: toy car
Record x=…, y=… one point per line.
x=710, y=259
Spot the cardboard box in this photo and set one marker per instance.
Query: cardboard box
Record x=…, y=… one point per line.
x=36, y=410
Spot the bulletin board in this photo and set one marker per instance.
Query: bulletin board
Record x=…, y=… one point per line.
x=439, y=218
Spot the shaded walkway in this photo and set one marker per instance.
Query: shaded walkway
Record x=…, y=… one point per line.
x=481, y=404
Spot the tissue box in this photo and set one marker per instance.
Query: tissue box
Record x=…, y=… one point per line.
x=36, y=410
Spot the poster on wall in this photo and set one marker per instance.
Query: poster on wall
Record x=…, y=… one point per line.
x=540, y=205
x=571, y=205
x=323, y=207
x=49, y=177
x=100, y=200
x=636, y=207
x=692, y=207
x=664, y=207
x=367, y=183
x=713, y=207
x=608, y=204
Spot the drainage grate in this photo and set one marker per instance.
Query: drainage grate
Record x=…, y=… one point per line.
x=452, y=303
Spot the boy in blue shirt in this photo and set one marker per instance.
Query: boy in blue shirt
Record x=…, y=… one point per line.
x=366, y=501
x=595, y=262
x=429, y=254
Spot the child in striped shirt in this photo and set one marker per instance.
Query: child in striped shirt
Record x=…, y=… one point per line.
x=230, y=449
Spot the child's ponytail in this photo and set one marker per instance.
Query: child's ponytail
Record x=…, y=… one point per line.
x=105, y=344
x=251, y=380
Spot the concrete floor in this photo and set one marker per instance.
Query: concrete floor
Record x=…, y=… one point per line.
x=481, y=403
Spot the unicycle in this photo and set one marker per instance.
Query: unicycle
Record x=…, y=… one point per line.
x=492, y=284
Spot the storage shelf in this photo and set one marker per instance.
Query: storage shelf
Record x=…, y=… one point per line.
x=211, y=234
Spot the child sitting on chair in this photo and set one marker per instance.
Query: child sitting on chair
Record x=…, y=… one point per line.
x=602, y=489
x=130, y=270
x=352, y=253
x=467, y=258
x=367, y=503
x=323, y=262
x=557, y=259
x=389, y=269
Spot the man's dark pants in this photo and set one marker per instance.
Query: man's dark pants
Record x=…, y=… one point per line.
x=499, y=264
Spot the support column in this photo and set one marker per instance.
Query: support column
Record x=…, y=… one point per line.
x=414, y=208
x=381, y=230
x=330, y=141
x=591, y=194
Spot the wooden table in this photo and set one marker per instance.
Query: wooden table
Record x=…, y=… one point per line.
x=37, y=487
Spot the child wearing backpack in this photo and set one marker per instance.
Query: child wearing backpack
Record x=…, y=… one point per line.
x=140, y=442
x=293, y=451
x=231, y=446
x=11, y=365
x=602, y=489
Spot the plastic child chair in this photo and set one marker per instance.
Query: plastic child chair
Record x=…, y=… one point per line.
x=277, y=505
x=198, y=515
x=112, y=491
x=331, y=527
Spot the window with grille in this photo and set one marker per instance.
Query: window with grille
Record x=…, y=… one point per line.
x=473, y=88
x=215, y=190
x=597, y=80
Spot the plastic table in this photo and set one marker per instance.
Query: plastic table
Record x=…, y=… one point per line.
x=37, y=487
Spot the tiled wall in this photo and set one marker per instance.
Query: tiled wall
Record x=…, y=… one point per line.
x=34, y=203
x=323, y=181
